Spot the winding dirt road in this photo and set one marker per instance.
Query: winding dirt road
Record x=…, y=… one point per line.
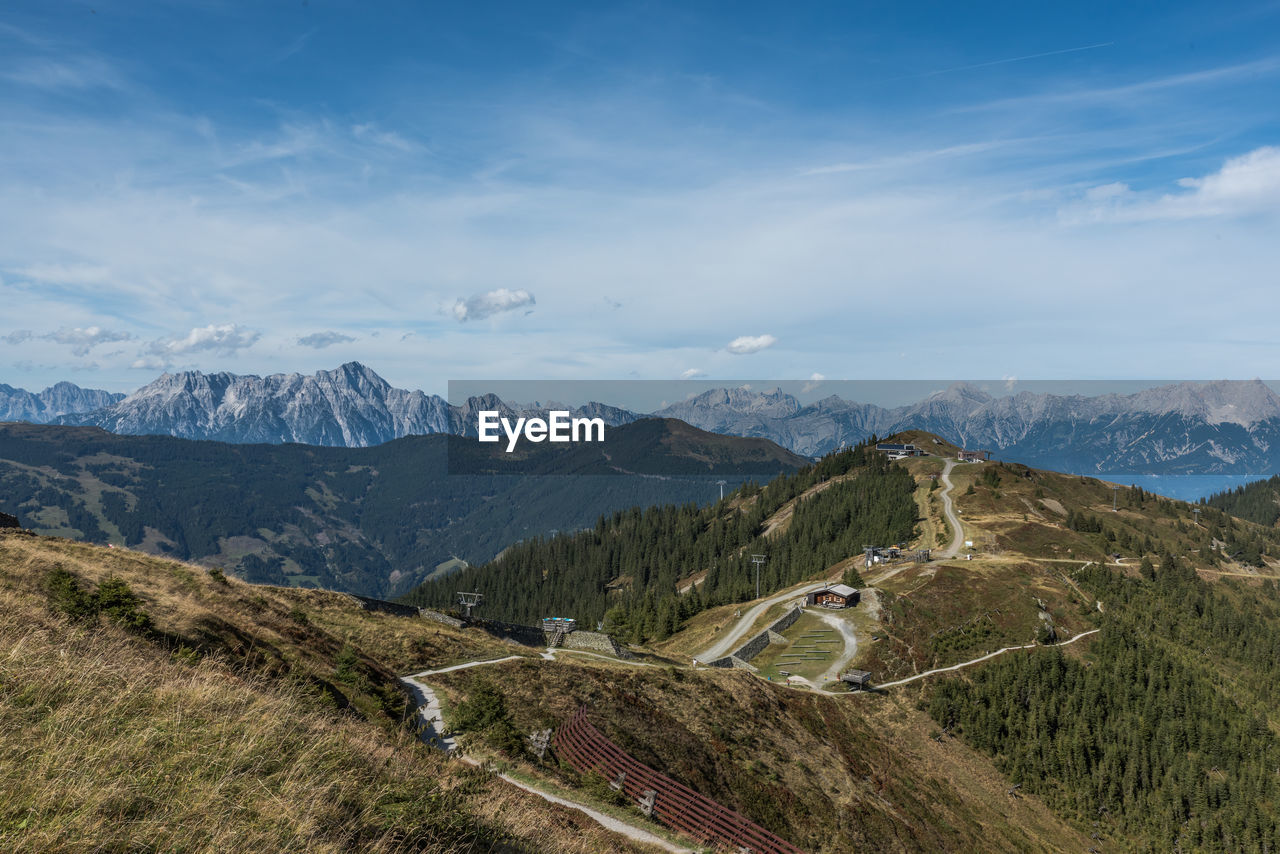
x=953, y=518
x=732, y=639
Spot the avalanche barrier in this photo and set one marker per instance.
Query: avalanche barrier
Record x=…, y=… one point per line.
x=675, y=805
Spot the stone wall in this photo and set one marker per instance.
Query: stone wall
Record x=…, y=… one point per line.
x=526, y=635
x=741, y=657
x=594, y=642
x=428, y=614
x=396, y=608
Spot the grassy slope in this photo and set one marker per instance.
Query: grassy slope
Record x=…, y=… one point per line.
x=831, y=774
x=228, y=730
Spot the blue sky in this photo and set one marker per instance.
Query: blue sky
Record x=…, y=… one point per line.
x=647, y=190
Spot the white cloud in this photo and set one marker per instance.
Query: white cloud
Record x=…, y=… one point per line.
x=1244, y=186
x=488, y=304
x=692, y=373
x=18, y=336
x=745, y=344
x=320, y=340
x=815, y=380
x=153, y=363
x=222, y=339
x=84, y=340
x=1009, y=382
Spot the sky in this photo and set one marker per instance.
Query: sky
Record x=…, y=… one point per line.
x=594, y=191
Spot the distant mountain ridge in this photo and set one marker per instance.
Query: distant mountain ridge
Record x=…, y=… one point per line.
x=348, y=407
x=1212, y=427
x=1203, y=427
x=63, y=398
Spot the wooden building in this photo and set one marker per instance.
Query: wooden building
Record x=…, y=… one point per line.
x=857, y=680
x=835, y=596
x=973, y=456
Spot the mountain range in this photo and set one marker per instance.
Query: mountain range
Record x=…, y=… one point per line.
x=64, y=398
x=1189, y=427
x=1222, y=427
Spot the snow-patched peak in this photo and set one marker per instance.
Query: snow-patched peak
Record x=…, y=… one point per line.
x=349, y=406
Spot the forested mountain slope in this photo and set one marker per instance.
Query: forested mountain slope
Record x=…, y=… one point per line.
x=1258, y=501
x=369, y=520
x=626, y=570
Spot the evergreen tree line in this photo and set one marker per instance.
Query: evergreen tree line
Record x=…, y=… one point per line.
x=1162, y=734
x=1258, y=501
x=625, y=572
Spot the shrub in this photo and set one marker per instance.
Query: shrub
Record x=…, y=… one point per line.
x=113, y=599
x=68, y=596
x=117, y=601
x=347, y=664
x=485, y=713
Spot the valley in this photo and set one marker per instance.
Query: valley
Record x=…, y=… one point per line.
x=374, y=520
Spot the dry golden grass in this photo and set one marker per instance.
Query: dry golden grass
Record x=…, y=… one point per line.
x=115, y=742
x=833, y=774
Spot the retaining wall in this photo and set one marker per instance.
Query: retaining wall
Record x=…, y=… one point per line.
x=526, y=635
x=428, y=614
x=741, y=657
x=396, y=608
x=594, y=642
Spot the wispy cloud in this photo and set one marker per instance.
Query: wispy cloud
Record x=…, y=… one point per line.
x=746, y=344
x=372, y=134
x=320, y=340
x=1128, y=91
x=1006, y=61
x=63, y=73
x=18, y=336
x=493, y=302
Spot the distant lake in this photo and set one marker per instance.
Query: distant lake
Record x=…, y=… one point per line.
x=1186, y=487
